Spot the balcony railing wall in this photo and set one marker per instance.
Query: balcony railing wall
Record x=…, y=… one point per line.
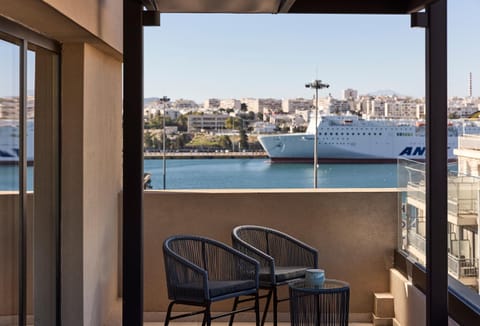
x=354, y=231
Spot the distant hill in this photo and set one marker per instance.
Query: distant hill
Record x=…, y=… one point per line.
x=149, y=100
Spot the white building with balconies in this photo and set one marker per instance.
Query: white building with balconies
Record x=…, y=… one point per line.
x=290, y=105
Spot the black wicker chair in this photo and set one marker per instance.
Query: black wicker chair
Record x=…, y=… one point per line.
x=200, y=271
x=282, y=258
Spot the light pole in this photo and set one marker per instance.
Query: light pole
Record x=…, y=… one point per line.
x=164, y=100
x=316, y=84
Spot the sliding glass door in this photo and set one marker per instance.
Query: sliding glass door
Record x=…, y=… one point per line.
x=29, y=177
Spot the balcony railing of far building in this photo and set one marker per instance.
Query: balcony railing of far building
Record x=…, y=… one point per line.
x=463, y=210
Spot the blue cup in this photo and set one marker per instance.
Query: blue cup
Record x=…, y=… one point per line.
x=314, y=277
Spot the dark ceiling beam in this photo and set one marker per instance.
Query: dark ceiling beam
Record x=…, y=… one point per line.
x=151, y=5
x=285, y=6
x=349, y=7
x=416, y=5
x=358, y=7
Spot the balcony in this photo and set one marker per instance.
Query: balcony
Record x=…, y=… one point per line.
x=461, y=268
x=464, y=269
x=354, y=231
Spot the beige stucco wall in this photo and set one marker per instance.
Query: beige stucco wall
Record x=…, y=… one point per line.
x=9, y=208
x=99, y=22
x=102, y=182
x=409, y=302
x=102, y=18
x=91, y=181
x=354, y=231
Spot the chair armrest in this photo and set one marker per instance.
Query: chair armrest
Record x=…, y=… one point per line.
x=179, y=271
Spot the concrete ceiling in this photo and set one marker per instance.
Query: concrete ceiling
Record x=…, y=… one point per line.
x=287, y=6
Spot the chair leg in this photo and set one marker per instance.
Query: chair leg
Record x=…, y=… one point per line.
x=257, y=310
x=275, y=306
x=267, y=304
x=208, y=315
x=232, y=316
x=169, y=312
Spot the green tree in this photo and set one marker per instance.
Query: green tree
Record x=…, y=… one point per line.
x=243, y=139
x=232, y=123
x=243, y=107
x=180, y=141
x=148, y=140
x=182, y=123
x=156, y=143
x=225, y=142
x=260, y=116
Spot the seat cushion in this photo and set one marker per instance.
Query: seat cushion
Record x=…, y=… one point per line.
x=283, y=273
x=194, y=290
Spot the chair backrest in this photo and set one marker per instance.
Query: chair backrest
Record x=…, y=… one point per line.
x=278, y=248
x=192, y=259
x=255, y=236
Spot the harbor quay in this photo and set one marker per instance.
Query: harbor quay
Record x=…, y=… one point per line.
x=204, y=155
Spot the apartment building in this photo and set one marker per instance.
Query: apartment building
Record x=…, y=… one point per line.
x=230, y=103
x=459, y=107
x=211, y=103
x=399, y=109
x=290, y=105
x=350, y=94
x=463, y=211
x=204, y=122
x=262, y=105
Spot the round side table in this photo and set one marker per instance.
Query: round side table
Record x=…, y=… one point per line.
x=318, y=306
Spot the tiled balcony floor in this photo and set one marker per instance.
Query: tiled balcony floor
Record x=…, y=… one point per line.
x=238, y=324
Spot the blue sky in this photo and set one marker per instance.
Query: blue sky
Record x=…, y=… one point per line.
x=234, y=56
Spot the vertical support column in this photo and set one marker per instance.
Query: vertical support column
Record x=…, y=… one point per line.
x=132, y=163
x=436, y=168
x=22, y=169
x=46, y=224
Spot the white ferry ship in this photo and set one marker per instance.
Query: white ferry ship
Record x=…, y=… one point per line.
x=350, y=138
x=9, y=141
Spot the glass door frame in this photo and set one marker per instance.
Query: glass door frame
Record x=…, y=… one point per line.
x=29, y=40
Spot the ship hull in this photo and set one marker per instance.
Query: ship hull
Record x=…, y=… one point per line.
x=359, y=141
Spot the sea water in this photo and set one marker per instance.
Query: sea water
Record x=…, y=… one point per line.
x=246, y=173
x=261, y=173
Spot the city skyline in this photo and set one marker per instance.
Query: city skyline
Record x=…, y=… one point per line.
x=198, y=56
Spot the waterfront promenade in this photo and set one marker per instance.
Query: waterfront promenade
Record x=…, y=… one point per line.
x=192, y=155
